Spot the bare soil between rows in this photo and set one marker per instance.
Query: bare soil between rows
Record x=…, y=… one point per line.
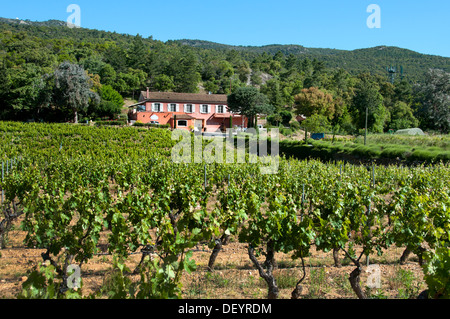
x=234, y=276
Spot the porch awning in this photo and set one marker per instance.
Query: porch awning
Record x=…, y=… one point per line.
x=225, y=116
x=183, y=117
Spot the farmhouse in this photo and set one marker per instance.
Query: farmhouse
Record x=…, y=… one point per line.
x=193, y=111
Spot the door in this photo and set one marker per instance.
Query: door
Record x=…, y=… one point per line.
x=198, y=126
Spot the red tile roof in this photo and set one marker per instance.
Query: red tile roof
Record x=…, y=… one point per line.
x=182, y=116
x=196, y=98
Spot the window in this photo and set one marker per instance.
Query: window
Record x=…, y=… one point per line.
x=219, y=109
x=205, y=108
x=157, y=107
x=182, y=123
x=189, y=108
x=172, y=107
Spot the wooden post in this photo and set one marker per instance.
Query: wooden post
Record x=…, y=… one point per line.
x=303, y=194
x=373, y=175
x=205, y=177
x=368, y=212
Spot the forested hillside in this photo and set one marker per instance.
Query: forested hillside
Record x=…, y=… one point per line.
x=374, y=60
x=331, y=87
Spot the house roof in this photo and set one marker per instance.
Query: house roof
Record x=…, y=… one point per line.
x=223, y=116
x=196, y=98
x=182, y=116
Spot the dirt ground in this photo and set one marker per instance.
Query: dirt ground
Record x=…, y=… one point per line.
x=235, y=277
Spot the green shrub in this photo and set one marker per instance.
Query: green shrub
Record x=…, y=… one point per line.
x=394, y=151
x=112, y=122
x=436, y=273
x=422, y=155
x=140, y=124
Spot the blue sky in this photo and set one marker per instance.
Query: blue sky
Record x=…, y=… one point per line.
x=418, y=25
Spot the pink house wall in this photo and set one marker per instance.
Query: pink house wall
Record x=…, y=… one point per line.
x=213, y=121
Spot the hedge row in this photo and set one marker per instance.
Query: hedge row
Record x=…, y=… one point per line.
x=328, y=150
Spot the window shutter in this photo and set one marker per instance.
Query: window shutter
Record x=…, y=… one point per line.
x=209, y=109
x=177, y=107
x=193, y=108
x=161, y=107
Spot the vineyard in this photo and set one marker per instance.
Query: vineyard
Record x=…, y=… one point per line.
x=73, y=195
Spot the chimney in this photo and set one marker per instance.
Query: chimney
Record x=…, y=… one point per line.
x=148, y=92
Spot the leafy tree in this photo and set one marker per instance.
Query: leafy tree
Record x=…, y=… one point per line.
x=93, y=63
x=387, y=90
x=314, y=101
x=255, y=78
x=20, y=92
x=249, y=101
x=436, y=99
x=403, y=92
x=5, y=84
x=225, y=69
x=129, y=82
x=367, y=95
x=163, y=83
x=138, y=53
x=243, y=71
x=317, y=123
x=272, y=90
x=185, y=73
x=106, y=109
x=286, y=117
x=211, y=85
x=72, y=89
x=117, y=57
x=274, y=119
x=107, y=93
x=107, y=74
x=402, y=117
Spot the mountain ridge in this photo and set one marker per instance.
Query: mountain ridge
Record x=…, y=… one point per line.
x=212, y=44
x=293, y=47
x=374, y=60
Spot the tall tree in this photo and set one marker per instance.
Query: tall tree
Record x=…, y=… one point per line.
x=184, y=70
x=402, y=117
x=314, y=101
x=250, y=102
x=273, y=91
x=138, y=54
x=436, y=99
x=367, y=96
x=73, y=89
